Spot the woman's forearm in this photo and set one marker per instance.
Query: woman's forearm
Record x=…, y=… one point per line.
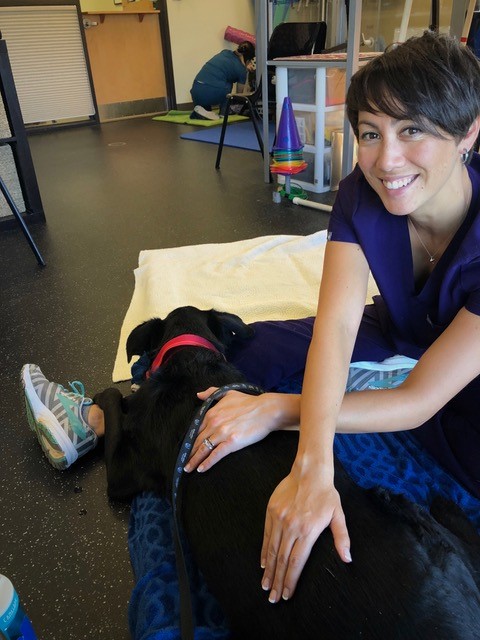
x=368, y=411
x=381, y=410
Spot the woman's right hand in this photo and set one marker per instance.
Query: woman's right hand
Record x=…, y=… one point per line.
x=299, y=510
x=236, y=421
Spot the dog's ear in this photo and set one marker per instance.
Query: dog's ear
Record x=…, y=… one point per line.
x=228, y=327
x=144, y=338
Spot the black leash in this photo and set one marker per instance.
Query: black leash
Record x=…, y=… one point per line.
x=187, y=624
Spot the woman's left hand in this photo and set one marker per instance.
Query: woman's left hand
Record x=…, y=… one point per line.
x=236, y=421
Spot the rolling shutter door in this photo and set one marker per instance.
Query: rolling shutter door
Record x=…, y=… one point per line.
x=48, y=62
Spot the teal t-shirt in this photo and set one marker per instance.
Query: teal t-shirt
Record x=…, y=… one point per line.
x=222, y=71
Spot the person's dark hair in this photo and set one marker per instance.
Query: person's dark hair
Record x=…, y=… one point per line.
x=247, y=50
x=431, y=79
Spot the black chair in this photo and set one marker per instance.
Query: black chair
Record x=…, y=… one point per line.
x=287, y=39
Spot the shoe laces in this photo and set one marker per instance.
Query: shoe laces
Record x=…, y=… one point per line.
x=77, y=390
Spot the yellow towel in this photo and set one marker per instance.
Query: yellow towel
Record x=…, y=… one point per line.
x=265, y=278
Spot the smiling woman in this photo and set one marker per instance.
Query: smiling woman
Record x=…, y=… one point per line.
x=412, y=132
x=409, y=212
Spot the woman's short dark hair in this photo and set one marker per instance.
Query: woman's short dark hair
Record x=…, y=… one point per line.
x=247, y=50
x=430, y=79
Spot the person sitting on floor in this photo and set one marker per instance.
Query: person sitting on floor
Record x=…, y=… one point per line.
x=216, y=78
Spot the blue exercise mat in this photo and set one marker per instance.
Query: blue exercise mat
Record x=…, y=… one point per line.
x=240, y=135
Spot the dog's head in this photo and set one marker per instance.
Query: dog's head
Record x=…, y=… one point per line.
x=218, y=327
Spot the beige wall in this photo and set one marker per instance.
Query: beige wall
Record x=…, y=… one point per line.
x=197, y=28
x=99, y=5
x=115, y=5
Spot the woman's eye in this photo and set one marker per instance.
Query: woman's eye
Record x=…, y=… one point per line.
x=412, y=131
x=368, y=135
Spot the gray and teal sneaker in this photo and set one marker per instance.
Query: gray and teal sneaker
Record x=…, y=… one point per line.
x=55, y=415
x=388, y=374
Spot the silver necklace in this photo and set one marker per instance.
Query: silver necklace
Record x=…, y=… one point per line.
x=431, y=256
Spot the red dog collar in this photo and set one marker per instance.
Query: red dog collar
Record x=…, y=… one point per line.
x=185, y=340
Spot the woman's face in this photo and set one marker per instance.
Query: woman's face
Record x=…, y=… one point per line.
x=411, y=170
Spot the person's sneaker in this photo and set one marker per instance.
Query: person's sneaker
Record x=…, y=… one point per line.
x=379, y=375
x=195, y=116
x=55, y=415
x=208, y=115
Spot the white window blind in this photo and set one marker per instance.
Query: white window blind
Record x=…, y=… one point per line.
x=48, y=62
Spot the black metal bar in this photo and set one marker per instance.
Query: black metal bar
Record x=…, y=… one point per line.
x=253, y=116
x=222, y=134
x=21, y=222
x=161, y=5
x=95, y=117
x=20, y=148
x=20, y=151
x=435, y=16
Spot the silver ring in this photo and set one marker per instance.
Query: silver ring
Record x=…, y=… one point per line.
x=208, y=444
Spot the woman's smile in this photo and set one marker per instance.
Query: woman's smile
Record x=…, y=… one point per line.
x=393, y=184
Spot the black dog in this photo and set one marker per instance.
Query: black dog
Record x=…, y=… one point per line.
x=412, y=576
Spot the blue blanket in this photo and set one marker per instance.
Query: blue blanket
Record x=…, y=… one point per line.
x=153, y=612
x=240, y=135
x=390, y=460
